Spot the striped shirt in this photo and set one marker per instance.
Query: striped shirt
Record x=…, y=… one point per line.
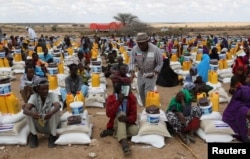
x=149, y=61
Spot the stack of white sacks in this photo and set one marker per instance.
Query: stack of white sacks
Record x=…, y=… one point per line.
x=5, y=69
x=152, y=129
x=18, y=63
x=213, y=129
x=174, y=63
x=18, y=67
x=78, y=133
x=14, y=129
x=97, y=86
x=225, y=72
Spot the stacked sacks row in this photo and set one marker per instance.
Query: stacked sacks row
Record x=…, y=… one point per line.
x=13, y=126
x=80, y=130
x=97, y=83
x=14, y=129
x=5, y=69
x=8, y=100
x=18, y=63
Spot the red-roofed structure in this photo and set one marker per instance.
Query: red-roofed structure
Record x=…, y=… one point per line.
x=105, y=26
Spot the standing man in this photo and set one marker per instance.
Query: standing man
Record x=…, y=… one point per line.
x=148, y=59
x=31, y=33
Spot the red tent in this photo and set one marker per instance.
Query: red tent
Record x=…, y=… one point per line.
x=105, y=26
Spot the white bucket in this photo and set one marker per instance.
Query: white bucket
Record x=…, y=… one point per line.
x=5, y=88
x=76, y=108
x=153, y=118
x=96, y=69
x=57, y=51
x=18, y=51
x=52, y=70
x=173, y=51
x=2, y=54
x=206, y=109
x=56, y=59
x=187, y=58
x=66, y=53
x=222, y=56
x=213, y=67
x=185, y=47
x=200, y=51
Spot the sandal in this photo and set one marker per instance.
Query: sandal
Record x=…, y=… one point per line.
x=183, y=138
x=107, y=132
x=126, y=150
x=191, y=138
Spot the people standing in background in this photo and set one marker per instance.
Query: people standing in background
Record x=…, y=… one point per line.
x=148, y=59
x=31, y=33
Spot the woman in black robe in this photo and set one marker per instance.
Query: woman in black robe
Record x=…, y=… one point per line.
x=167, y=77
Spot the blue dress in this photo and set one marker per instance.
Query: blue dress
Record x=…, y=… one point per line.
x=203, y=67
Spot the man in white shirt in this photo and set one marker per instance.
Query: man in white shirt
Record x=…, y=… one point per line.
x=31, y=33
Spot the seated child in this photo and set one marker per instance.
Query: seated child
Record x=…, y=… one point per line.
x=84, y=73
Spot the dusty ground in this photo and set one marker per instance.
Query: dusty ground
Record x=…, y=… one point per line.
x=108, y=148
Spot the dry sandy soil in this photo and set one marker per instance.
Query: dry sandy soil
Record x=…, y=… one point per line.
x=108, y=147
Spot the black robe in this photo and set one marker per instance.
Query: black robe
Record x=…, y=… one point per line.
x=167, y=77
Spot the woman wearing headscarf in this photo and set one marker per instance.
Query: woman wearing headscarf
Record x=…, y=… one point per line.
x=237, y=79
x=182, y=116
x=203, y=67
x=167, y=77
x=214, y=54
x=237, y=112
x=190, y=78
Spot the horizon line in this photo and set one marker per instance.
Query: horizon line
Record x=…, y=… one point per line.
x=116, y=21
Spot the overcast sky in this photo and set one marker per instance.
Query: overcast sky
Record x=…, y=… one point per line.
x=103, y=11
